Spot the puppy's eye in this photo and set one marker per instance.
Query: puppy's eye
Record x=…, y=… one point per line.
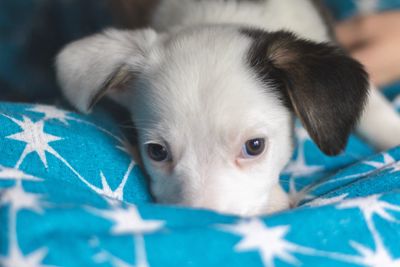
x=157, y=152
x=253, y=148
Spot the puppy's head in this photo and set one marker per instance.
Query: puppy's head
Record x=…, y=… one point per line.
x=213, y=105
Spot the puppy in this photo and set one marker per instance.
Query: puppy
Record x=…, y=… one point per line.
x=213, y=88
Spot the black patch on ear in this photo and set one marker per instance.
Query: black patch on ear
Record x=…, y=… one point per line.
x=318, y=81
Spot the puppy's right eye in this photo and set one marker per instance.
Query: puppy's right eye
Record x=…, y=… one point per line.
x=158, y=152
x=253, y=148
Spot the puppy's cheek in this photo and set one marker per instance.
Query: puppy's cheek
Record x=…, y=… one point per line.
x=279, y=200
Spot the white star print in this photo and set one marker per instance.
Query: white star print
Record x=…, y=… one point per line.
x=370, y=206
x=16, y=258
x=378, y=258
x=299, y=167
x=128, y=221
x=387, y=161
x=118, y=193
x=37, y=141
x=270, y=242
x=15, y=174
x=52, y=113
x=19, y=199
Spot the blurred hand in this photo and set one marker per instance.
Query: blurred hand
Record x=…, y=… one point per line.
x=374, y=40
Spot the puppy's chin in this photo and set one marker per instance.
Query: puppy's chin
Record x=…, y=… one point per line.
x=278, y=201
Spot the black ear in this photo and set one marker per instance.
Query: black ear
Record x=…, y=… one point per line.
x=324, y=87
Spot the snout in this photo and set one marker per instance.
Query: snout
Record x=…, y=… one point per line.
x=242, y=205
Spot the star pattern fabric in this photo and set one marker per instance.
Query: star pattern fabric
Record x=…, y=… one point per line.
x=57, y=188
x=269, y=242
x=36, y=140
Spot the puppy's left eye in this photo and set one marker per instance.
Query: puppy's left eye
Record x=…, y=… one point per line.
x=253, y=148
x=157, y=152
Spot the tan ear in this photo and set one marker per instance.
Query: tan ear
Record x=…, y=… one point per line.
x=118, y=81
x=102, y=64
x=325, y=88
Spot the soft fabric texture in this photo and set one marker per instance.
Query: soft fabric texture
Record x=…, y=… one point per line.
x=71, y=196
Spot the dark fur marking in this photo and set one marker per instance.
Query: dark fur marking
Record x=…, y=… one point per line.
x=318, y=81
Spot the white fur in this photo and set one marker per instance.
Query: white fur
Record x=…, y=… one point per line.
x=88, y=62
x=380, y=123
x=201, y=108
x=196, y=93
x=293, y=15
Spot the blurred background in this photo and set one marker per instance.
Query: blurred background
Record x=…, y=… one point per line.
x=33, y=31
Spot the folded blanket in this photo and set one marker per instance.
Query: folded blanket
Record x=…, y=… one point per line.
x=72, y=196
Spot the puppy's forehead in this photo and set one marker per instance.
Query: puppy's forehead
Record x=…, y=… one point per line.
x=203, y=49
x=197, y=64
x=208, y=38
x=202, y=83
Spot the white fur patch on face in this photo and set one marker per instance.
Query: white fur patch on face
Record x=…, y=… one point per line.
x=200, y=99
x=193, y=95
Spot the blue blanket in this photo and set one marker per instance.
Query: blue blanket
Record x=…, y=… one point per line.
x=72, y=196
